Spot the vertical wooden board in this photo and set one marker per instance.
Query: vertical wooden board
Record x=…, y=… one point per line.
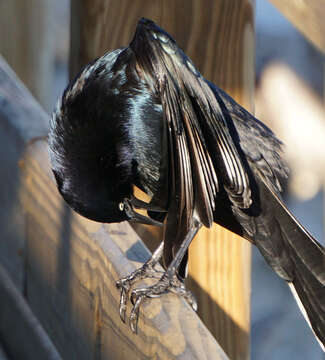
x=27, y=43
x=222, y=287
x=72, y=266
x=220, y=261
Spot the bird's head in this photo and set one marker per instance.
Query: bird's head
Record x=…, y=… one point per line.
x=89, y=143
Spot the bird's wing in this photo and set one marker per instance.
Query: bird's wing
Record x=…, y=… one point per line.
x=195, y=124
x=288, y=248
x=195, y=120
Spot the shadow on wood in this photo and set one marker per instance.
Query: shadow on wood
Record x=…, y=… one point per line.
x=20, y=332
x=21, y=120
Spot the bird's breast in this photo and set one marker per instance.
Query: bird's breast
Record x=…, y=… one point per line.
x=146, y=134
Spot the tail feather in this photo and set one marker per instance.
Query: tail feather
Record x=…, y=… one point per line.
x=301, y=258
x=309, y=312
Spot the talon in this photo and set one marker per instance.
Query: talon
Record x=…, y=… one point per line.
x=133, y=297
x=189, y=297
x=135, y=294
x=134, y=316
x=167, y=282
x=124, y=288
x=194, y=306
x=123, y=300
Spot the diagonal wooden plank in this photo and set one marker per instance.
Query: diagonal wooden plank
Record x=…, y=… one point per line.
x=20, y=331
x=72, y=266
x=307, y=16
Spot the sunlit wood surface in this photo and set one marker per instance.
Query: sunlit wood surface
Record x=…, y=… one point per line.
x=307, y=16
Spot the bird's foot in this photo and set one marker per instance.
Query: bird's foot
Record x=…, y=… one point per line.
x=167, y=283
x=147, y=271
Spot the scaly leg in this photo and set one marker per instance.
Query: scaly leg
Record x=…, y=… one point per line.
x=146, y=271
x=168, y=282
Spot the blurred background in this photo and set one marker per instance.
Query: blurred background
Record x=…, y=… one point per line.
x=289, y=98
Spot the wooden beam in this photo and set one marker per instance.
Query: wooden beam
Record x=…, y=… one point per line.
x=22, y=119
x=20, y=332
x=220, y=261
x=219, y=36
x=72, y=266
x=307, y=16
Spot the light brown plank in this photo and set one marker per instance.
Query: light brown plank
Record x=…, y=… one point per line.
x=307, y=16
x=72, y=266
x=27, y=44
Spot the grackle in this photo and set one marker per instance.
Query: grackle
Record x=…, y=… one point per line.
x=144, y=116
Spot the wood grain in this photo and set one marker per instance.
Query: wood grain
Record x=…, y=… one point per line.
x=20, y=331
x=21, y=120
x=219, y=36
x=27, y=43
x=72, y=266
x=307, y=16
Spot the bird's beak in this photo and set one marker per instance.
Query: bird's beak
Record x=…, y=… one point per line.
x=130, y=204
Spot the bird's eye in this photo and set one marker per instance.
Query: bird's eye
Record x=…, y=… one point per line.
x=121, y=206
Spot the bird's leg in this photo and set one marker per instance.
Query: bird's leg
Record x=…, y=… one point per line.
x=144, y=272
x=169, y=282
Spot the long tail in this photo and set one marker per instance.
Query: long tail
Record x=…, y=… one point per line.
x=295, y=255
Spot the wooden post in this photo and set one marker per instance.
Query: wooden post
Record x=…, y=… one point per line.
x=27, y=43
x=220, y=261
x=219, y=36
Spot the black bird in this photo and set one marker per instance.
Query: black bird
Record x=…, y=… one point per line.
x=143, y=115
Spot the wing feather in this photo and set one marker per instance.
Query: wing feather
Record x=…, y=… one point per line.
x=198, y=125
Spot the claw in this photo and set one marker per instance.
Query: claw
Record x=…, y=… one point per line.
x=136, y=300
x=189, y=297
x=124, y=288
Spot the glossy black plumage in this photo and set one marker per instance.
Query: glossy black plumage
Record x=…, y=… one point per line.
x=143, y=115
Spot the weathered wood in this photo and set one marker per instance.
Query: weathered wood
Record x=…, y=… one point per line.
x=20, y=331
x=27, y=43
x=307, y=16
x=72, y=266
x=21, y=119
x=219, y=36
